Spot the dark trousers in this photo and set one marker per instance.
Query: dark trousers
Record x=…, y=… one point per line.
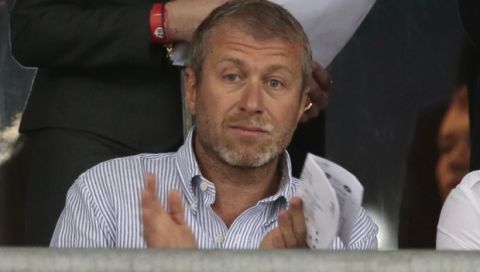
x=58, y=157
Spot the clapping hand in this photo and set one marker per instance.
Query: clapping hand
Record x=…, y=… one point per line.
x=291, y=231
x=162, y=228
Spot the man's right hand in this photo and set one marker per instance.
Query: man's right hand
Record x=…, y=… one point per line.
x=164, y=229
x=184, y=16
x=291, y=231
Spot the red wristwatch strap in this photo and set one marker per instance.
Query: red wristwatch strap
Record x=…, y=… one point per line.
x=158, y=30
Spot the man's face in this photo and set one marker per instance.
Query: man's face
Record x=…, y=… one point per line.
x=454, y=146
x=249, y=99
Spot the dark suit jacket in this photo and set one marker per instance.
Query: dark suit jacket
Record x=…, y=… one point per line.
x=98, y=71
x=470, y=14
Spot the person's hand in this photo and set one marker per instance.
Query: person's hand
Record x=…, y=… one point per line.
x=320, y=85
x=184, y=16
x=164, y=229
x=291, y=231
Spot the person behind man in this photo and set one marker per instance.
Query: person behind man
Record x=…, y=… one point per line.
x=453, y=143
x=459, y=223
x=438, y=160
x=230, y=185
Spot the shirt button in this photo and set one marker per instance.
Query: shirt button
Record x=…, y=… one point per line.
x=193, y=207
x=203, y=186
x=219, y=239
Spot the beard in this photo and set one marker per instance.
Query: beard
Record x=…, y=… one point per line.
x=245, y=151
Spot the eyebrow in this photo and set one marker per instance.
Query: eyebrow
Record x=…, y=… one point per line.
x=273, y=68
x=231, y=59
x=278, y=67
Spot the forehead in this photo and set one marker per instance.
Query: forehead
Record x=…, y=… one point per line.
x=229, y=38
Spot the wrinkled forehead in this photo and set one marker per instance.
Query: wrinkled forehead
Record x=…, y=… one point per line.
x=239, y=47
x=228, y=26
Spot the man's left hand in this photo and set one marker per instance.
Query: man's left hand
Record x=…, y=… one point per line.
x=320, y=85
x=291, y=231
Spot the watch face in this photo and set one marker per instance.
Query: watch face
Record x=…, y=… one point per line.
x=159, y=32
x=470, y=14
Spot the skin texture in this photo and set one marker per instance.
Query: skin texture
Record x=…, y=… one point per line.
x=247, y=106
x=258, y=98
x=158, y=222
x=320, y=87
x=454, y=144
x=184, y=16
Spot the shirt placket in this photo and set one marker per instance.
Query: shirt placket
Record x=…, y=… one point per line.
x=215, y=227
x=247, y=230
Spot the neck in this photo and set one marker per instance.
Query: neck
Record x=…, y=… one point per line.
x=237, y=188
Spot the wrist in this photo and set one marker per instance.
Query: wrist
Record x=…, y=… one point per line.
x=159, y=31
x=180, y=26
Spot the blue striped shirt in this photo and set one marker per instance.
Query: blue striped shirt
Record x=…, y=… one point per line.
x=103, y=207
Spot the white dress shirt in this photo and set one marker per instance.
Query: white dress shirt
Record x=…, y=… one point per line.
x=103, y=207
x=459, y=224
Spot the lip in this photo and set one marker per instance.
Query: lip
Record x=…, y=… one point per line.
x=248, y=130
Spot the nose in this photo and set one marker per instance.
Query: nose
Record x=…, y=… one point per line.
x=252, y=100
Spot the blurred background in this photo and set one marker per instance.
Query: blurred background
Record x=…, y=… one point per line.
x=393, y=85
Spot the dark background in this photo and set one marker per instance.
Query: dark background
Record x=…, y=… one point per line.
x=401, y=63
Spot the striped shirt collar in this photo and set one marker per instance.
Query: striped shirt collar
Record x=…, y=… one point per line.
x=189, y=171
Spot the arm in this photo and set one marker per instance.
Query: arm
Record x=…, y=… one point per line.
x=91, y=34
x=81, y=224
x=364, y=233
x=59, y=33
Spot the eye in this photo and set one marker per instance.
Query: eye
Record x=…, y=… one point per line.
x=275, y=84
x=445, y=146
x=232, y=77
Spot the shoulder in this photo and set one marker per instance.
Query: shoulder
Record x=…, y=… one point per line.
x=124, y=167
x=462, y=205
x=113, y=177
x=471, y=182
x=467, y=193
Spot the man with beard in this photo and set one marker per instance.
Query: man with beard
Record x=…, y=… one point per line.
x=230, y=185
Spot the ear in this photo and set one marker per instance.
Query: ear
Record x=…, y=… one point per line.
x=303, y=102
x=190, y=85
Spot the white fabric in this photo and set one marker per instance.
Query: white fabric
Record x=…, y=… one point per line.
x=329, y=25
x=103, y=207
x=459, y=224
